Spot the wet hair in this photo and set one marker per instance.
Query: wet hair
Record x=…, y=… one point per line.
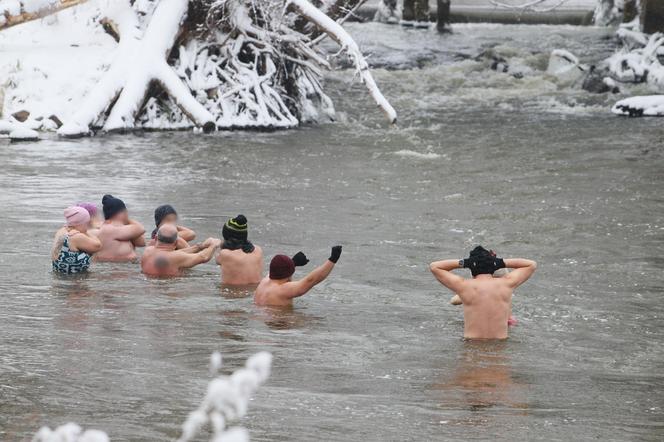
x=112, y=206
x=482, y=261
x=170, y=239
x=162, y=212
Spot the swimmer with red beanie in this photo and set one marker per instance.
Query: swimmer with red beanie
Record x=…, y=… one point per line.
x=278, y=288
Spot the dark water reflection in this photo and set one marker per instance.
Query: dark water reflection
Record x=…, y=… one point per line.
x=374, y=353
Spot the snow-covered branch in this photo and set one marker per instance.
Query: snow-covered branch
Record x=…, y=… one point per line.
x=227, y=399
x=14, y=12
x=343, y=39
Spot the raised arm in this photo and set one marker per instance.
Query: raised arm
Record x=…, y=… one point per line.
x=186, y=234
x=523, y=270
x=318, y=275
x=130, y=232
x=442, y=270
x=85, y=243
x=298, y=288
x=181, y=244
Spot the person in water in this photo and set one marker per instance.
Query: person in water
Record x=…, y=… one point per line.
x=163, y=259
x=278, y=289
x=456, y=300
x=241, y=262
x=72, y=246
x=166, y=214
x=119, y=234
x=487, y=301
x=96, y=220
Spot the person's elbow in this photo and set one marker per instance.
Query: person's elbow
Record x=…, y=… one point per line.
x=187, y=234
x=432, y=267
x=533, y=264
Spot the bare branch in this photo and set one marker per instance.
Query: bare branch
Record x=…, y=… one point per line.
x=343, y=39
x=26, y=12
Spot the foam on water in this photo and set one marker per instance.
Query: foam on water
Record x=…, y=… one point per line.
x=419, y=155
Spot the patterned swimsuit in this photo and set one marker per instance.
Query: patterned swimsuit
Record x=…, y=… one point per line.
x=70, y=262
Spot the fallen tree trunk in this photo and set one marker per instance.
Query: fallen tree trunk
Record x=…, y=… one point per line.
x=17, y=12
x=140, y=61
x=343, y=39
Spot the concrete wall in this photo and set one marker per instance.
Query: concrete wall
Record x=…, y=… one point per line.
x=577, y=12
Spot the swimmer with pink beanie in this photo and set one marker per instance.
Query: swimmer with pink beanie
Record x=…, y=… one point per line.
x=73, y=247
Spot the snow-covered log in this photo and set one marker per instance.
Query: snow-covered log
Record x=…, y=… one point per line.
x=15, y=12
x=140, y=61
x=645, y=106
x=343, y=39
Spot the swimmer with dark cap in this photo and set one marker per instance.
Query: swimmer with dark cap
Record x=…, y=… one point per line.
x=166, y=214
x=487, y=301
x=163, y=259
x=119, y=235
x=241, y=261
x=278, y=289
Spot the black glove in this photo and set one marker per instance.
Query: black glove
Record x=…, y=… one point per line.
x=500, y=264
x=300, y=259
x=336, y=253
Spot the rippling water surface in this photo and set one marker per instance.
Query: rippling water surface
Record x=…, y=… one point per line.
x=529, y=167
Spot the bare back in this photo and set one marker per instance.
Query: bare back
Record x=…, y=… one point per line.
x=487, y=304
x=114, y=246
x=240, y=268
x=274, y=293
x=160, y=263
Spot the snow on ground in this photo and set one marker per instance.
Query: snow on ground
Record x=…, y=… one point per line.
x=48, y=65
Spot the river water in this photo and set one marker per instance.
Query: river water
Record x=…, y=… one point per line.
x=526, y=166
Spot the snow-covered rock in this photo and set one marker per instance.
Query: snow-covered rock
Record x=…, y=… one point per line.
x=6, y=127
x=23, y=134
x=565, y=66
x=647, y=106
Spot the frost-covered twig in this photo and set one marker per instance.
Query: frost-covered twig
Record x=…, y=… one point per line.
x=227, y=399
x=70, y=432
x=14, y=12
x=531, y=5
x=343, y=39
